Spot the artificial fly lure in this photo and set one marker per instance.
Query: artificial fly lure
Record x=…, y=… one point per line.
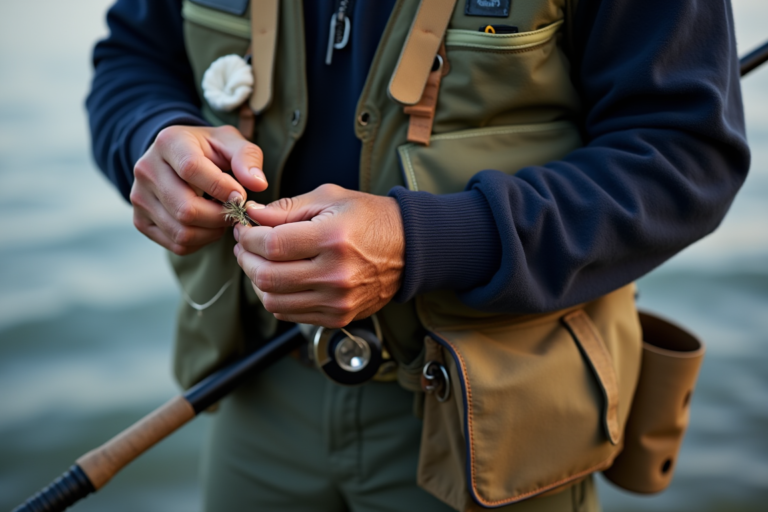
x=234, y=211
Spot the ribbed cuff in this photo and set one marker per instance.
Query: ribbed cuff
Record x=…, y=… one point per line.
x=451, y=241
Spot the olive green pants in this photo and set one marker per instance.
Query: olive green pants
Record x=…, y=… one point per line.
x=291, y=440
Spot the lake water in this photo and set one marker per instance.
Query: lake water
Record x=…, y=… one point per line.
x=87, y=304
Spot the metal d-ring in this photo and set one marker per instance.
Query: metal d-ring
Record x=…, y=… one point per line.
x=435, y=379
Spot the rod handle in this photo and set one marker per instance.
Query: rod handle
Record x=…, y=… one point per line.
x=62, y=493
x=104, y=462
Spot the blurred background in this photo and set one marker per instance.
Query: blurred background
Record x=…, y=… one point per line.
x=87, y=303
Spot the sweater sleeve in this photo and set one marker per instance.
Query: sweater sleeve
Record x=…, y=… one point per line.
x=664, y=155
x=142, y=83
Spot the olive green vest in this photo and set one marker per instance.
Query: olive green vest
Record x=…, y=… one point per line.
x=506, y=102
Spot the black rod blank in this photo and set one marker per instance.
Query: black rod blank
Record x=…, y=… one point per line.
x=753, y=59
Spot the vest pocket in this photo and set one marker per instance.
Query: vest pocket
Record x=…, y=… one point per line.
x=451, y=159
x=536, y=402
x=504, y=79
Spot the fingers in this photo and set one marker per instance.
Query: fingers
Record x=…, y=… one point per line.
x=277, y=277
x=173, y=236
x=246, y=159
x=180, y=201
x=286, y=242
x=185, y=151
x=295, y=209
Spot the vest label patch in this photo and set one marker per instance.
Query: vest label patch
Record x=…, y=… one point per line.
x=492, y=8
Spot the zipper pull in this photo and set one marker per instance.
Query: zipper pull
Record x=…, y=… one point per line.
x=338, y=34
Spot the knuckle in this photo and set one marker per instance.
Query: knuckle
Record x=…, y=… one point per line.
x=227, y=130
x=344, y=279
x=186, y=213
x=337, y=322
x=344, y=307
x=180, y=250
x=284, y=203
x=182, y=236
x=273, y=246
x=264, y=279
x=218, y=186
x=252, y=152
x=328, y=188
x=143, y=169
x=188, y=168
x=166, y=136
x=270, y=303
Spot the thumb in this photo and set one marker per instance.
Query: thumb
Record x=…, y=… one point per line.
x=246, y=159
x=288, y=209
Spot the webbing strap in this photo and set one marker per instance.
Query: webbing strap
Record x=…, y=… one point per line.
x=593, y=347
x=422, y=114
x=263, y=45
x=413, y=68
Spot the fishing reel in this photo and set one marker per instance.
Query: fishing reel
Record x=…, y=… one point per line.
x=352, y=355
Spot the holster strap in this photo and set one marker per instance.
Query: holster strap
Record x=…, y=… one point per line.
x=596, y=353
x=263, y=46
x=415, y=63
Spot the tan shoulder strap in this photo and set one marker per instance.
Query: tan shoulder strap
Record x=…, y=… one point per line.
x=418, y=54
x=263, y=46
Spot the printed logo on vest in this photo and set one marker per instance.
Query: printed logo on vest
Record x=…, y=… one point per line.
x=492, y=8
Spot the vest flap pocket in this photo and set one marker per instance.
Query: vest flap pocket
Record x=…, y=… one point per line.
x=535, y=403
x=451, y=159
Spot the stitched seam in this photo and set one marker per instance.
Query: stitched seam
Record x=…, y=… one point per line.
x=496, y=49
x=503, y=131
x=457, y=37
x=216, y=20
x=409, y=168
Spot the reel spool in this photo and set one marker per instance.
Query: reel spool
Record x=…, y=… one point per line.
x=349, y=356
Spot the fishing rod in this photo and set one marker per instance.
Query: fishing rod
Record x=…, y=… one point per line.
x=94, y=469
x=753, y=59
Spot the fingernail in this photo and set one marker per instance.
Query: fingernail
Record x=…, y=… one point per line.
x=236, y=197
x=253, y=205
x=238, y=250
x=256, y=173
x=237, y=233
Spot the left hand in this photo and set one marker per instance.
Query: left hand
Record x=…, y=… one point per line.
x=324, y=258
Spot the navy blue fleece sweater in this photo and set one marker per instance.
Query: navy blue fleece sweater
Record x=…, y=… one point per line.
x=665, y=150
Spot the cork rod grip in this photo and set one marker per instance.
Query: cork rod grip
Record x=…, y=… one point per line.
x=104, y=462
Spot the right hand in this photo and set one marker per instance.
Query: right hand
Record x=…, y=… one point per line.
x=182, y=163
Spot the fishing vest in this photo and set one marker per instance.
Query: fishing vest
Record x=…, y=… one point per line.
x=532, y=403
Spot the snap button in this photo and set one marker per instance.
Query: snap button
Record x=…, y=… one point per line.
x=296, y=117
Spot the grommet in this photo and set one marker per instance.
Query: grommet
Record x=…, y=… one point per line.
x=296, y=117
x=435, y=379
x=437, y=64
x=363, y=118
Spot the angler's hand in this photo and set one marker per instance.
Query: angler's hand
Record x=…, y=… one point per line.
x=324, y=258
x=182, y=163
